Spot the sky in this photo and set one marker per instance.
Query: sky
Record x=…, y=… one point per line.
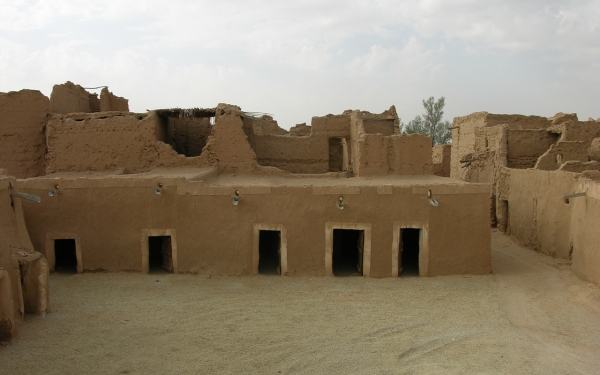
x=299, y=59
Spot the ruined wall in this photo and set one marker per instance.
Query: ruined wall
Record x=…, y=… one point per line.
x=385, y=123
x=188, y=136
x=23, y=272
x=469, y=136
x=22, y=119
x=100, y=142
x=463, y=139
x=228, y=147
x=70, y=98
x=440, y=158
x=562, y=152
x=584, y=224
x=594, y=150
x=526, y=146
x=111, y=102
x=215, y=237
x=398, y=154
x=292, y=154
x=538, y=217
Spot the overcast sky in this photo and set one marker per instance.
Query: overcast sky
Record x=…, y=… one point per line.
x=298, y=59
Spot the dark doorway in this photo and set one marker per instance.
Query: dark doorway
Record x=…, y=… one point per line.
x=409, y=252
x=65, y=256
x=160, y=258
x=347, y=252
x=336, y=155
x=269, y=244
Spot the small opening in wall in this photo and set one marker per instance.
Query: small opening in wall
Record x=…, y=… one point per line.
x=65, y=256
x=347, y=256
x=559, y=158
x=409, y=250
x=336, y=155
x=269, y=252
x=160, y=258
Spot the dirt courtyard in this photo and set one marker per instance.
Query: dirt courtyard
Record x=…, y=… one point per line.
x=531, y=316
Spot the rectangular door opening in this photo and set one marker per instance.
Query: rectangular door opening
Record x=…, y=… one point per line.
x=336, y=155
x=347, y=252
x=409, y=252
x=65, y=255
x=160, y=254
x=269, y=252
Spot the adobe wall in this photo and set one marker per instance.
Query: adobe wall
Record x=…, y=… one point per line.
x=537, y=216
x=526, y=146
x=561, y=152
x=378, y=154
x=586, y=236
x=70, y=98
x=469, y=137
x=215, y=237
x=22, y=119
x=440, y=158
x=188, y=136
x=111, y=102
x=292, y=154
x=23, y=272
x=100, y=142
x=463, y=139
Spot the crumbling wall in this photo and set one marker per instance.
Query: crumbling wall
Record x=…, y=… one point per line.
x=70, y=98
x=22, y=119
x=526, y=146
x=561, y=152
x=584, y=224
x=228, y=147
x=23, y=272
x=397, y=154
x=111, y=102
x=385, y=123
x=100, y=142
x=440, y=158
x=188, y=136
x=291, y=151
x=292, y=154
x=594, y=149
x=463, y=139
x=301, y=130
x=578, y=166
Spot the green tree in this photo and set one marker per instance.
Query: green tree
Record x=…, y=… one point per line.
x=430, y=123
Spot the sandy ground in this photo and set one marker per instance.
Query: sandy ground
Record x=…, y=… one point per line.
x=532, y=316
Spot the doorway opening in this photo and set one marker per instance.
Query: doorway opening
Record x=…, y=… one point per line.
x=347, y=252
x=65, y=255
x=160, y=254
x=409, y=252
x=336, y=155
x=269, y=252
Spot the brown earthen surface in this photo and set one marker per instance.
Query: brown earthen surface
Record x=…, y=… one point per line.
x=22, y=120
x=532, y=316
